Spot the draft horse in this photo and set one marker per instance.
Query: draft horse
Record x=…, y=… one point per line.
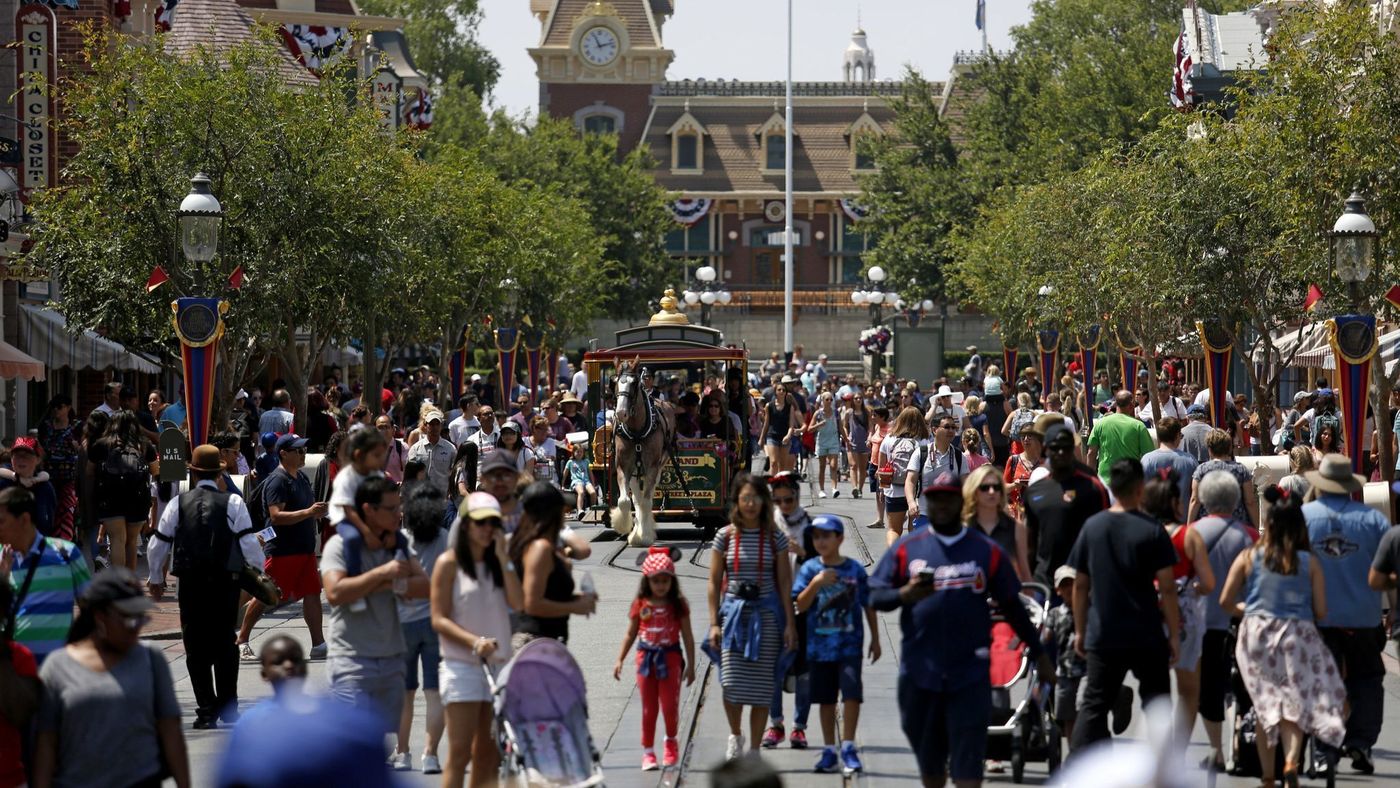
x=645, y=429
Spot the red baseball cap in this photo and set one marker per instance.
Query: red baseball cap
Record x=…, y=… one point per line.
x=25, y=443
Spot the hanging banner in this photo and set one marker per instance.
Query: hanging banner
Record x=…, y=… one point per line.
x=1128, y=365
x=534, y=343
x=1218, y=347
x=551, y=368
x=35, y=30
x=418, y=112
x=457, y=364
x=1353, y=340
x=1089, y=360
x=1009, y=357
x=507, y=347
x=316, y=46
x=199, y=325
x=1048, y=343
x=687, y=211
x=853, y=210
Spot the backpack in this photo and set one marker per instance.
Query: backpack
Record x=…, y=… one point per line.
x=202, y=550
x=126, y=463
x=256, y=499
x=1023, y=417
x=1328, y=418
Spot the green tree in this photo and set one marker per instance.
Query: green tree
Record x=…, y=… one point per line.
x=442, y=36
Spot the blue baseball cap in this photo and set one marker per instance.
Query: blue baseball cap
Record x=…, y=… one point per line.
x=1196, y=410
x=268, y=440
x=829, y=522
x=290, y=441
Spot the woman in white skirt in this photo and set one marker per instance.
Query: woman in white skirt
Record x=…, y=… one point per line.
x=474, y=589
x=1289, y=672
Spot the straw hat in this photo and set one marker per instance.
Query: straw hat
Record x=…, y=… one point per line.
x=1335, y=476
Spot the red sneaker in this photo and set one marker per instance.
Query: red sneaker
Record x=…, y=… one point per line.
x=798, y=739
x=649, y=762
x=773, y=737
x=670, y=753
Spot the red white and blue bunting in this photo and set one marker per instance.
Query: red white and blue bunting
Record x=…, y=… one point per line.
x=419, y=111
x=165, y=14
x=317, y=46
x=854, y=210
x=688, y=211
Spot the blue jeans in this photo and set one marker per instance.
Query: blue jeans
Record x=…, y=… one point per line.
x=802, y=705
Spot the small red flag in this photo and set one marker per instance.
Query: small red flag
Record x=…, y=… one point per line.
x=1314, y=297
x=235, y=279
x=1393, y=296
x=158, y=278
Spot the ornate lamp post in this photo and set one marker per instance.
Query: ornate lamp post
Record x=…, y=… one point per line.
x=874, y=294
x=199, y=321
x=1353, y=336
x=709, y=293
x=1354, y=246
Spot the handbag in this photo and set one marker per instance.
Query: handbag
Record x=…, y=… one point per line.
x=256, y=582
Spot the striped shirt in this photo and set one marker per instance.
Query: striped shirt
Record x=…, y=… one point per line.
x=46, y=612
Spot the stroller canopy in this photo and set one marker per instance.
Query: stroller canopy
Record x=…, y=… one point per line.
x=543, y=682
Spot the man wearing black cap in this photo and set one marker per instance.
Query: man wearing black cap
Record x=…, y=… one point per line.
x=1058, y=505
x=941, y=577
x=202, y=526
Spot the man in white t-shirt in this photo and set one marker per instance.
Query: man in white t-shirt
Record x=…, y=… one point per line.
x=465, y=425
x=579, y=385
x=943, y=404
x=1170, y=406
x=1203, y=398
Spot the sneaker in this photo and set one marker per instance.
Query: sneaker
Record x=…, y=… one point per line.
x=649, y=761
x=877, y=524
x=318, y=651
x=431, y=764
x=1122, y=710
x=850, y=759
x=798, y=739
x=670, y=752
x=735, y=747
x=401, y=762
x=230, y=715
x=821, y=493
x=206, y=723
x=835, y=493
x=828, y=763
x=773, y=736
x=1361, y=760
x=245, y=652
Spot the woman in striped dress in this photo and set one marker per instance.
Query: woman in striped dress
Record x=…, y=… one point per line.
x=750, y=598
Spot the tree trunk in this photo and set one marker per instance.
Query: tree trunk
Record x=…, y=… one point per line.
x=374, y=371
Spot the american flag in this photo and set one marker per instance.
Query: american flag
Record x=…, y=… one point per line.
x=1182, y=95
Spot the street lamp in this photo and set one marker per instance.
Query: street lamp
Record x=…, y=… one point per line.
x=200, y=217
x=709, y=293
x=1354, y=245
x=874, y=295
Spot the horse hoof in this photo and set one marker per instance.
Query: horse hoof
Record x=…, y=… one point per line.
x=639, y=539
x=621, y=522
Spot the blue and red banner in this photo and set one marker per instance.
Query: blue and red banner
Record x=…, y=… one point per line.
x=1048, y=343
x=199, y=325
x=507, y=348
x=1353, y=340
x=457, y=365
x=1128, y=365
x=551, y=369
x=532, y=364
x=1219, y=347
x=1089, y=360
x=1009, y=356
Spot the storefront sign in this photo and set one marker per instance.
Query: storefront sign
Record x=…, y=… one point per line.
x=35, y=30
x=387, y=92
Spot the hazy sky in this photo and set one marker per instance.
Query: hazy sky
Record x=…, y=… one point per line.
x=745, y=39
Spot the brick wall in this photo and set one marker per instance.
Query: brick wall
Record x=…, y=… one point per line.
x=563, y=100
x=70, y=47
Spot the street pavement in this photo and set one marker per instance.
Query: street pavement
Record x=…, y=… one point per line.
x=615, y=708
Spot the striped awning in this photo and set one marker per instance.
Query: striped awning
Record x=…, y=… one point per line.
x=45, y=335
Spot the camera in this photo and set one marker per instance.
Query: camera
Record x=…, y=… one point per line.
x=748, y=591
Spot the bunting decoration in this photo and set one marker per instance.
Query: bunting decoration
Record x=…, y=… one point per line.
x=507, y=348
x=165, y=14
x=316, y=46
x=534, y=343
x=1218, y=347
x=1393, y=296
x=551, y=368
x=1182, y=93
x=1353, y=341
x=1128, y=364
x=1313, y=298
x=1048, y=343
x=457, y=364
x=854, y=211
x=1009, y=356
x=1089, y=360
x=419, y=111
x=199, y=326
x=237, y=278
x=688, y=212
x=158, y=277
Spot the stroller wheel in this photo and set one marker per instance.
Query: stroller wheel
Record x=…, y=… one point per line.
x=1018, y=753
x=1052, y=745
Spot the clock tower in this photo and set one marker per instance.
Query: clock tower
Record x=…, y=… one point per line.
x=599, y=62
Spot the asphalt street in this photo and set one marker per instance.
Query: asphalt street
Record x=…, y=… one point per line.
x=615, y=708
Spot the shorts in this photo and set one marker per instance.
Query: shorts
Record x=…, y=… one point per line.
x=773, y=441
x=896, y=505
x=295, y=575
x=421, y=642
x=828, y=677
x=373, y=683
x=1067, y=691
x=129, y=502
x=946, y=730
x=464, y=682
x=1193, y=629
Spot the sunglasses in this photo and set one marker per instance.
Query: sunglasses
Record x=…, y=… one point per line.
x=135, y=622
x=785, y=499
x=1060, y=449
x=996, y=488
x=489, y=522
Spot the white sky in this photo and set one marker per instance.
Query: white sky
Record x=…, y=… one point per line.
x=745, y=39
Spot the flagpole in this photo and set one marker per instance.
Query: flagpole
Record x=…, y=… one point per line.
x=984, y=28
x=787, y=197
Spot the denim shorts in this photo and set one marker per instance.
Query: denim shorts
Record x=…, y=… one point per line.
x=830, y=677
x=896, y=504
x=420, y=641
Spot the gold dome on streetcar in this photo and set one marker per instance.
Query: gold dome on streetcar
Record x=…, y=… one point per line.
x=669, y=314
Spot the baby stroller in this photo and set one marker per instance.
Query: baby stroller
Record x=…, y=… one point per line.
x=1022, y=727
x=542, y=719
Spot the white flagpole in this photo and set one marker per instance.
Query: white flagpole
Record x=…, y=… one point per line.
x=985, y=50
x=787, y=197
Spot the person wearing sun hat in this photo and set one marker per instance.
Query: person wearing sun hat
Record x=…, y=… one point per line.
x=1345, y=535
x=23, y=471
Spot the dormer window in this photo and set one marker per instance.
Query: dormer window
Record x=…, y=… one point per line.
x=599, y=118
x=687, y=145
x=860, y=134
x=772, y=137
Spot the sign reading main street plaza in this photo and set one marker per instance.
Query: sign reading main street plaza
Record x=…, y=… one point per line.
x=387, y=92
x=35, y=31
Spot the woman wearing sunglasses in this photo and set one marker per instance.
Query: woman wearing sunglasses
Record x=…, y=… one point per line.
x=984, y=508
x=108, y=694
x=474, y=589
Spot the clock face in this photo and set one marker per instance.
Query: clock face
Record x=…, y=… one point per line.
x=600, y=46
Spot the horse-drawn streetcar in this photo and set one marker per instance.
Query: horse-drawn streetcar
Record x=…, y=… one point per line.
x=647, y=467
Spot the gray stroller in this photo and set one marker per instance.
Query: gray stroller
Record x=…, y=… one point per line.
x=542, y=719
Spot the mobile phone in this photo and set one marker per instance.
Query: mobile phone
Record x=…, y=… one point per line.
x=925, y=575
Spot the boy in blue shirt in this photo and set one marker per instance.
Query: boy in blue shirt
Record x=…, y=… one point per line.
x=832, y=589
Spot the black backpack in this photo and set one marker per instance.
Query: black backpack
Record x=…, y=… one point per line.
x=203, y=541
x=126, y=463
x=255, y=497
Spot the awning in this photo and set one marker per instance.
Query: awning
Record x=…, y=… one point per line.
x=342, y=357
x=1304, y=339
x=1321, y=357
x=15, y=363
x=46, y=336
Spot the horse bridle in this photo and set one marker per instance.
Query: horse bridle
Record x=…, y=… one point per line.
x=626, y=389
